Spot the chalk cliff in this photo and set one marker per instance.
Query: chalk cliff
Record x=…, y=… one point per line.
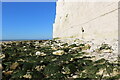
x=86, y=20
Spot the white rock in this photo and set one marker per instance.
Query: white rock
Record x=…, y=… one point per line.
x=107, y=51
x=99, y=25
x=40, y=53
x=75, y=76
x=37, y=53
x=59, y=52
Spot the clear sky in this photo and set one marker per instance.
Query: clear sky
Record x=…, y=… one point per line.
x=28, y=20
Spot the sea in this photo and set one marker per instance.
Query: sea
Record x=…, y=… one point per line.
x=21, y=40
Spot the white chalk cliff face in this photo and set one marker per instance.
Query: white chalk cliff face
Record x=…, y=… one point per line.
x=86, y=20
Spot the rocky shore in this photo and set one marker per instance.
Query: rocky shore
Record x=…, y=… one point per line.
x=55, y=59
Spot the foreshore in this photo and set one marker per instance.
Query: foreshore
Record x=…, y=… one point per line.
x=53, y=57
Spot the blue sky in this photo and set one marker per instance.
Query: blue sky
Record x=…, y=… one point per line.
x=28, y=20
